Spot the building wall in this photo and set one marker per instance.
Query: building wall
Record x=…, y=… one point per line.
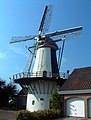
x=21, y=101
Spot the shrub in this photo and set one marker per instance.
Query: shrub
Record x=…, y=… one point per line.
x=57, y=102
x=23, y=115
x=38, y=115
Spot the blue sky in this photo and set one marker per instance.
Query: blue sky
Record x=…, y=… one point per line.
x=22, y=17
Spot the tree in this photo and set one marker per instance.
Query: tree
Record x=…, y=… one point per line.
x=2, y=84
x=7, y=92
x=56, y=101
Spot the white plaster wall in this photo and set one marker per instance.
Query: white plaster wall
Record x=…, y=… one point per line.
x=39, y=104
x=43, y=61
x=44, y=90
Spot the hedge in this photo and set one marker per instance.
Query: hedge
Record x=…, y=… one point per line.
x=49, y=114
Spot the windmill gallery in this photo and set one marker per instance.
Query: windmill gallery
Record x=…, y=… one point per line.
x=44, y=78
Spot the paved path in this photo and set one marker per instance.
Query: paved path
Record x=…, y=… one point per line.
x=7, y=115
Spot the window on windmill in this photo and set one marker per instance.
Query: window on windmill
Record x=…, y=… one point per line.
x=41, y=99
x=33, y=102
x=44, y=73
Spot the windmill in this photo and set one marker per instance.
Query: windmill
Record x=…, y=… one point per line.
x=45, y=76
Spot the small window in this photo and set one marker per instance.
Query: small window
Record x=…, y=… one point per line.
x=33, y=102
x=44, y=73
x=41, y=99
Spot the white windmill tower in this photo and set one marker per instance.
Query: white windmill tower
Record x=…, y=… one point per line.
x=44, y=77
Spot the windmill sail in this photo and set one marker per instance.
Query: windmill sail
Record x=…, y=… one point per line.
x=22, y=38
x=45, y=22
x=65, y=31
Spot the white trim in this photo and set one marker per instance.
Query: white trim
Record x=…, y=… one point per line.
x=74, y=91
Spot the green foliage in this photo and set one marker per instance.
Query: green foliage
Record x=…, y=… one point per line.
x=38, y=115
x=56, y=101
x=7, y=92
x=23, y=115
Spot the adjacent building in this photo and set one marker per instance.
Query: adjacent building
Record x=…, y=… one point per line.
x=77, y=93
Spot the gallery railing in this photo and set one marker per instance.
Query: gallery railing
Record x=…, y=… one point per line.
x=40, y=74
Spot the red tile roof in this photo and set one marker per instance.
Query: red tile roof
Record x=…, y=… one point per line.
x=79, y=79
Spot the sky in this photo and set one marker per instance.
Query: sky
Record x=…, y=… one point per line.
x=22, y=17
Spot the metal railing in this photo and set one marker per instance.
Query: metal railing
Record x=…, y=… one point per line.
x=39, y=74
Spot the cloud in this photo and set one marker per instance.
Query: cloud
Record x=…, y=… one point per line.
x=18, y=51
x=2, y=55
